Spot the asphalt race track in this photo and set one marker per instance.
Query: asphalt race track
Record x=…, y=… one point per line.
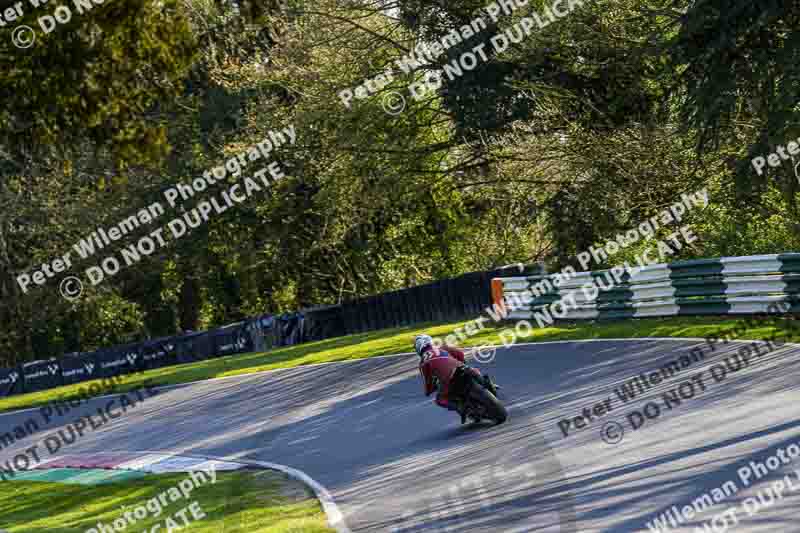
x=394, y=461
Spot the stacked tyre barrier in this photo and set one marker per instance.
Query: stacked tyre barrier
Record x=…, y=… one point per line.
x=724, y=286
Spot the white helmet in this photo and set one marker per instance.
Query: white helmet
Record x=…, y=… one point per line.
x=421, y=342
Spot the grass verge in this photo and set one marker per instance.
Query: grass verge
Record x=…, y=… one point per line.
x=251, y=502
x=399, y=340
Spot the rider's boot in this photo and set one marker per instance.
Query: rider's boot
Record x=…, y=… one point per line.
x=461, y=408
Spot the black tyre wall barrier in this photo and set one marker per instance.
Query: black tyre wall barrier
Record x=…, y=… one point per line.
x=450, y=299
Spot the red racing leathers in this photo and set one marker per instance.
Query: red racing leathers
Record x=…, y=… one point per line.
x=441, y=363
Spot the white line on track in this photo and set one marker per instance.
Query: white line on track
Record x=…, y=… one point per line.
x=334, y=515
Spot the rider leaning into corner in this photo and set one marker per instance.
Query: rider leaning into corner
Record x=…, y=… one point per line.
x=437, y=366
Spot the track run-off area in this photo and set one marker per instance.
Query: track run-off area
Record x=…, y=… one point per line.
x=705, y=442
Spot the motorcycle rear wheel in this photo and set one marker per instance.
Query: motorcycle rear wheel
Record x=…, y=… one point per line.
x=493, y=409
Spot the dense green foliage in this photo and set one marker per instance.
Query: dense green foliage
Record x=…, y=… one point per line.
x=579, y=131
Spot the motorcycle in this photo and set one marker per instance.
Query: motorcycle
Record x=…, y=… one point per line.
x=478, y=397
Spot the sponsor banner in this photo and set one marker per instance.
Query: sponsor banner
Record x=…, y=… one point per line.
x=41, y=375
x=79, y=368
x=159, y=353
x=10, y=381
x=119, y=360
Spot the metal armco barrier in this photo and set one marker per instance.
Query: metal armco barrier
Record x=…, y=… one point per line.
x=724, y=286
